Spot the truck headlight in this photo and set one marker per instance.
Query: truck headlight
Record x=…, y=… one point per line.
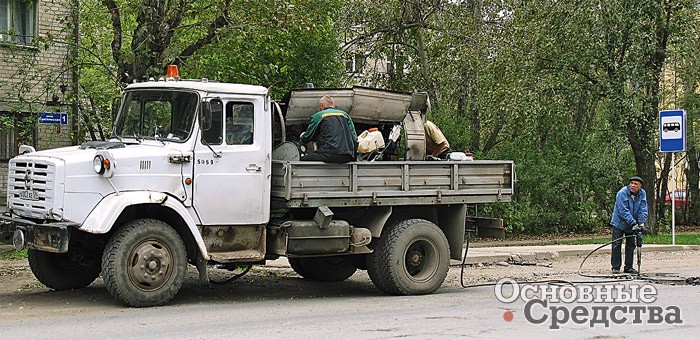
x=104, y=163
x=98, y=164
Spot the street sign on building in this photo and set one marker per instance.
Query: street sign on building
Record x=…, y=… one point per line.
x=53, y=118
x=672, y=130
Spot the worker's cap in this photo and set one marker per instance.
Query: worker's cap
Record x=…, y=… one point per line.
x=637, y=178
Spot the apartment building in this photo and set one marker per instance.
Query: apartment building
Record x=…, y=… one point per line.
x=35, y=78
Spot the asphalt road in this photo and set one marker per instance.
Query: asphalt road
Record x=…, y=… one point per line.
x=275, y=303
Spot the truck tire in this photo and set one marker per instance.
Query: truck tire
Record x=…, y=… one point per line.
x=324, y=269
x=144, y=263
x=411, y=258
x=297, y=265
x=59, y=272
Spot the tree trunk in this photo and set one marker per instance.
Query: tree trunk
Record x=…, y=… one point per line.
x=641, y=135
x=644, y=163
x=425, y=67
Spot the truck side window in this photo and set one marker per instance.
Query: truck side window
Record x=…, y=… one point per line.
x=239, y=123
x=213, y=136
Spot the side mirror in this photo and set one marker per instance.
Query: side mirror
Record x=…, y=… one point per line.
x=25, y=149
x=205, y=116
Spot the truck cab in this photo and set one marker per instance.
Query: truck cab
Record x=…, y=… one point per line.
x=165, y=161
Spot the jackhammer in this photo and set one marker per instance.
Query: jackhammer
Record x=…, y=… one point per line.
x=638, y=230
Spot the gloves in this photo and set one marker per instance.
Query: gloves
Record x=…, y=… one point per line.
x=640, y=232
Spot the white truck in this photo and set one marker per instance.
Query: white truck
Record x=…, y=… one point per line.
x=189, y=176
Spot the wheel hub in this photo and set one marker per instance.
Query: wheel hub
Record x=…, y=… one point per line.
x=421, y=260
x=151, y=265
x=415, y=258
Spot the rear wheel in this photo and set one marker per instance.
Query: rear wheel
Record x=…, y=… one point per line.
x=297, y=265
x=144, y=263
x=324, y=269
x=60, y=271
x=411, y=257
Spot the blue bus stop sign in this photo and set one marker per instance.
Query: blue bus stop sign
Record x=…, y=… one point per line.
x=672, y=130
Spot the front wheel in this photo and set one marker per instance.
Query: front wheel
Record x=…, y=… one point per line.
x=60, y=271
x=411, y=258
x=144, y=263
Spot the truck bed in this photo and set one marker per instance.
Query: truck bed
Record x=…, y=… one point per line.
x=311, y=184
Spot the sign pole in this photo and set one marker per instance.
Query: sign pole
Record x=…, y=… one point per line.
x=672, y=125
x=673, y=199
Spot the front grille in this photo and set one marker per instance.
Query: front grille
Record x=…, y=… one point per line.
x=31, y=188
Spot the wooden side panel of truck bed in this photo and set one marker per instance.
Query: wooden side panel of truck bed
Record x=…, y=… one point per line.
x=312, y=184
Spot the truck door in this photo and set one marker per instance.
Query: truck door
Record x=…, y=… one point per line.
x=231, y=175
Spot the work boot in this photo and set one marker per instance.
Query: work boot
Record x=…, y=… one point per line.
x=616, y=270
x=631, y=271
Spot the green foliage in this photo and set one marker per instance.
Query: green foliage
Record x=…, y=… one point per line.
x=664, y=238
x=284, y=43
x=14, y=255
x=568, y=90
x=292, y=47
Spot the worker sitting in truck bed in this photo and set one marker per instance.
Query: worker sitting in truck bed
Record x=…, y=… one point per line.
x=334, y=133
x=436, y=145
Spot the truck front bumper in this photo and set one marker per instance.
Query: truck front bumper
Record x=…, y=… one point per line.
x=51, y=237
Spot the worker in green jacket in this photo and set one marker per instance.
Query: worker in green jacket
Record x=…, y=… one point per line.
x=334, y=133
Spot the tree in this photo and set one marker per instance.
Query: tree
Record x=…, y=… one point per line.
x=687, y=69
x=394, y=31
x=618, y=50
x=261, y=42
x=569, y=90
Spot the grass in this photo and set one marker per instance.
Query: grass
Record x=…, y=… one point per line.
x=14, y=255
x=682, y=239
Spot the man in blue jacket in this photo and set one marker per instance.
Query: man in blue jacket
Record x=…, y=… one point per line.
x=630, y=213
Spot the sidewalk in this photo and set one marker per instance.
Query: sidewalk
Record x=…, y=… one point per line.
x=531, y=254
x=552, y=252
x=514, y=254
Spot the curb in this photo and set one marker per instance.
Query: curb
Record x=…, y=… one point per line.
x=526, y=254
x=534, y=254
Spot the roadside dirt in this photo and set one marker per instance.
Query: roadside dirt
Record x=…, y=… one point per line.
x=22, y=296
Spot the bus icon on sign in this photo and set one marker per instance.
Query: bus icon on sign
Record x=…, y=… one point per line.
x=674, y=126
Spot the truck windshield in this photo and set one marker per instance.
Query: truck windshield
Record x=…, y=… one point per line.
x=159, y=115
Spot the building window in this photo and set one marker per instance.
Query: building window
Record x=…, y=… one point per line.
x=17, y=21
x=355, y=64
x=10, y=134
x=8, y=144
